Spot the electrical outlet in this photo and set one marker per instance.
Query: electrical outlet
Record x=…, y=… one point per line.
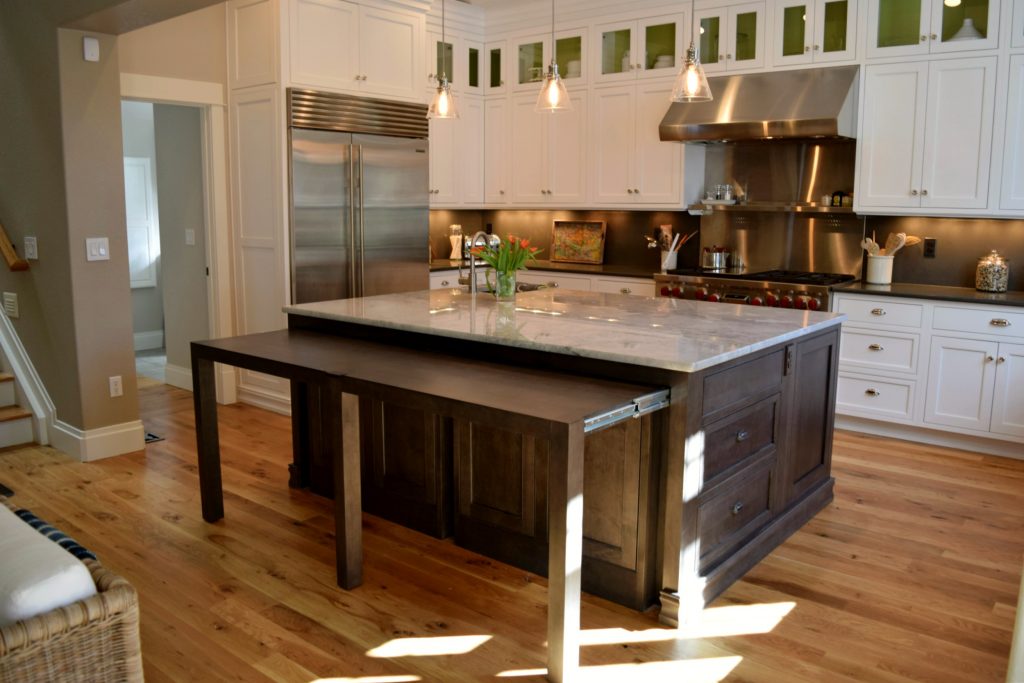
x=11, y=304
x=116, y=388
x=31, y=248
x=929, y=247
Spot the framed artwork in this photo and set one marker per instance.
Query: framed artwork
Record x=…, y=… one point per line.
x=578, y=241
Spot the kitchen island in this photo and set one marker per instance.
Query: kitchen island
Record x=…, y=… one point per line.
x=678, y=504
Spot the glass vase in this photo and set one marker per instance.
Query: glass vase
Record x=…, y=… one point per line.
x=505, y=285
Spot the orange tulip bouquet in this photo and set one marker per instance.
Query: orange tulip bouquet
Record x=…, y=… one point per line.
x=509, y=256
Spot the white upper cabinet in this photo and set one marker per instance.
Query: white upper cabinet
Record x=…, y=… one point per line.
x=648, y=48
x=253, y=43
x=918, y=27
x=630, y=163
x=926, y=136
x=731, y=38
x=443, y=162
x=497, y=128
x=495, y=68
x=365, y=49
x=1017, y=31
x=1012, y=195
x=531, y=56
x=460, y=59
x=814, y=31
x=548, y=153
x=457, y=156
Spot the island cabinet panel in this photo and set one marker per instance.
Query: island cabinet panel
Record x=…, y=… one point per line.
x=731, y=442
x=501, y=508
x=406, y=471
x=743, y=383
x=735, y=511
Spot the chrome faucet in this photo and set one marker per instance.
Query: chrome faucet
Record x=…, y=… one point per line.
x=473, y=244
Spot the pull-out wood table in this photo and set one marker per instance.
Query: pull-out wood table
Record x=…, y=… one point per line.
x=558, y=407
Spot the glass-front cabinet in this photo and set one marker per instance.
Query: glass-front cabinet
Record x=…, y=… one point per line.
x=915, y=27
x=818, y=31
x=461, y=60
x=532, y=56
x=494, y=63
x=731, y=38
x=639, y=49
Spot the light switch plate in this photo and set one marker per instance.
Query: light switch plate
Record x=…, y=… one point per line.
x=190, y=237
x=97, y=249
x=31, y=248
x=90, y=49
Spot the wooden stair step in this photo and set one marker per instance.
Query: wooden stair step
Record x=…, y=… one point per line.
x=9, y=413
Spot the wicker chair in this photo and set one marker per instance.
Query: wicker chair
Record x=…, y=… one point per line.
x=96, y=639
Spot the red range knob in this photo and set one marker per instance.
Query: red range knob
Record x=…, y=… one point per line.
x=677, y=293
x=665, y=291
x=786, y=302
x=813, y=304
x=713, y=298
x=756, y=301
x=700, y=294
x=801, y=303
x=771, y=300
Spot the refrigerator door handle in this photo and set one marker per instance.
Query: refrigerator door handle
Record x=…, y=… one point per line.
x=361, y=226
x=351, y=224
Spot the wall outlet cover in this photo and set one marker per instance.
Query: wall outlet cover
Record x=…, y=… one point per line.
x=116, y=387
x=190, y=237
x=31, y=248
x=11, y=304
x=929, y=247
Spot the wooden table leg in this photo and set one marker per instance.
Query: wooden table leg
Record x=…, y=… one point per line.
x=341, y=441
x=204, y=397
x=565, y=551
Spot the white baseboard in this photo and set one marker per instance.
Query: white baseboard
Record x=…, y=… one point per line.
x=145, y=341
x=261, y=398
x=177, y=376
x=932, y=437
x=95, y=444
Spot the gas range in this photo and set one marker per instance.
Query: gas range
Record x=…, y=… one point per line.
x=776, y=288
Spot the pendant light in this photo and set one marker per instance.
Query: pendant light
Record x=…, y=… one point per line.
x=443, y=104
x=692, y=83
x=553, y=96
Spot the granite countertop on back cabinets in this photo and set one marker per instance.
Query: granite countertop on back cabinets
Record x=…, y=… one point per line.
x=935, y=292
x=581, y=268
x=667, y=333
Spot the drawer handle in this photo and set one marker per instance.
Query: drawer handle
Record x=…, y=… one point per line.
x=736, y=507
x=876, y=347
x=552, y=284
x=873, y=392
x=999, y=322
x=877, y=311
x=625, y=290
x=444, y=283
x=742, y=436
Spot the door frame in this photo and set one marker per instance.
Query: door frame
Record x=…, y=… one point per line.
x=210, y=99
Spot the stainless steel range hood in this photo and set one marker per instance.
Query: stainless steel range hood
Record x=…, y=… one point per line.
x=811, y=103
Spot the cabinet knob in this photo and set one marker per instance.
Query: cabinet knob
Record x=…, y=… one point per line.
x=989, y=359
x=553, y=284
x=639, y=66
x=816, y=48
x=924, y=38
x=728, y=56
x=736, y=507
x=877, y=311
x=913, y=193
x=629, y=191
x=721, y=57
x=924, y=193
x=1001, y=359
x=742, y=436
x=625, y=290
x=636, y=191
x=873, y=392
x=999, y=322
x=444, y=283
x=876, y=347
x=933, y=37
x=807, y=48
x=501, y=191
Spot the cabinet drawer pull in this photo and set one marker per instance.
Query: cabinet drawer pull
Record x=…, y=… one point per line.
x=444, y=283
x=876, y=347
x=742, y=436
x=736, y=507
x=999, y=322
x=552, y=284
x=625, y=290
x=873, y=392
x=877, y=311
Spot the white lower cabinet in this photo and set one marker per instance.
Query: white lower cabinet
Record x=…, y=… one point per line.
x=947, y=366
x=457, y=156
x=623, y=285
x=550, y=279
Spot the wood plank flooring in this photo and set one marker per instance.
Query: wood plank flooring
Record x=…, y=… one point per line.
x=910, y=575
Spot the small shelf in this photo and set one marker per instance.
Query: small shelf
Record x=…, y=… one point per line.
x=776, y=207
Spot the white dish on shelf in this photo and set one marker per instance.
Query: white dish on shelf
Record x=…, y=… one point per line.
x=719, y=202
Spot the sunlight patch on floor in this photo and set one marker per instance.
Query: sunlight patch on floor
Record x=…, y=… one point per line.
x=429, y=646
x=370, y=679
x=706, y=670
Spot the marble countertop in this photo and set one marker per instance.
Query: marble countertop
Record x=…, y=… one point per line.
x=936, y=292
x=540, y=264
x=657, y=332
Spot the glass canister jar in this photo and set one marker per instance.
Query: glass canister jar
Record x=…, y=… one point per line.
x=993, y=274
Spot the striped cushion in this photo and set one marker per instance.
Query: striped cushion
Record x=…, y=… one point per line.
x=55, y=535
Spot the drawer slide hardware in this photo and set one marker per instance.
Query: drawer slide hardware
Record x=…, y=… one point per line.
x=873, y=392
x=999, y=322
x=648, y=403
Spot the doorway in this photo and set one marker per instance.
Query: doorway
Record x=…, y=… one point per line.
x=165, y=202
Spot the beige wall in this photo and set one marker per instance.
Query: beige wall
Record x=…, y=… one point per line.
x=192, y=47
x=179, y=170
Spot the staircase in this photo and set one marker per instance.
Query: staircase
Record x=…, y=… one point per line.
x=15, y=421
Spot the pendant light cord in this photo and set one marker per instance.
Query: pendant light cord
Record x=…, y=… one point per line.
x=693, y=18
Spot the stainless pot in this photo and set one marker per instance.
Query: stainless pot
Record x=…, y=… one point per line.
x=715, y=260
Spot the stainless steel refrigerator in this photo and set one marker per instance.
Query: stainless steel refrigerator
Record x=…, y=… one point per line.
x=359, y=200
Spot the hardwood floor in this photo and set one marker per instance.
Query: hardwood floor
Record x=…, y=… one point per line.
x=910, y=575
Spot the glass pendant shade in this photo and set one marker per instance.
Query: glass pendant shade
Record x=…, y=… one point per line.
x=443, y=104
x=553, y=96
x=692, y=83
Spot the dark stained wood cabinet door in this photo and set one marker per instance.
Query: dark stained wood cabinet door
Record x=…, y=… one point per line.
x=810, y=413
x=407, y=466
x=613, y=461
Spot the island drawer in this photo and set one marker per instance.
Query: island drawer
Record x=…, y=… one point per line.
x=885, y=399
x=986, y=321
x=732, y=440
x=739, y=509
x=738, y=384
x=880, y=311
x=882, y=351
